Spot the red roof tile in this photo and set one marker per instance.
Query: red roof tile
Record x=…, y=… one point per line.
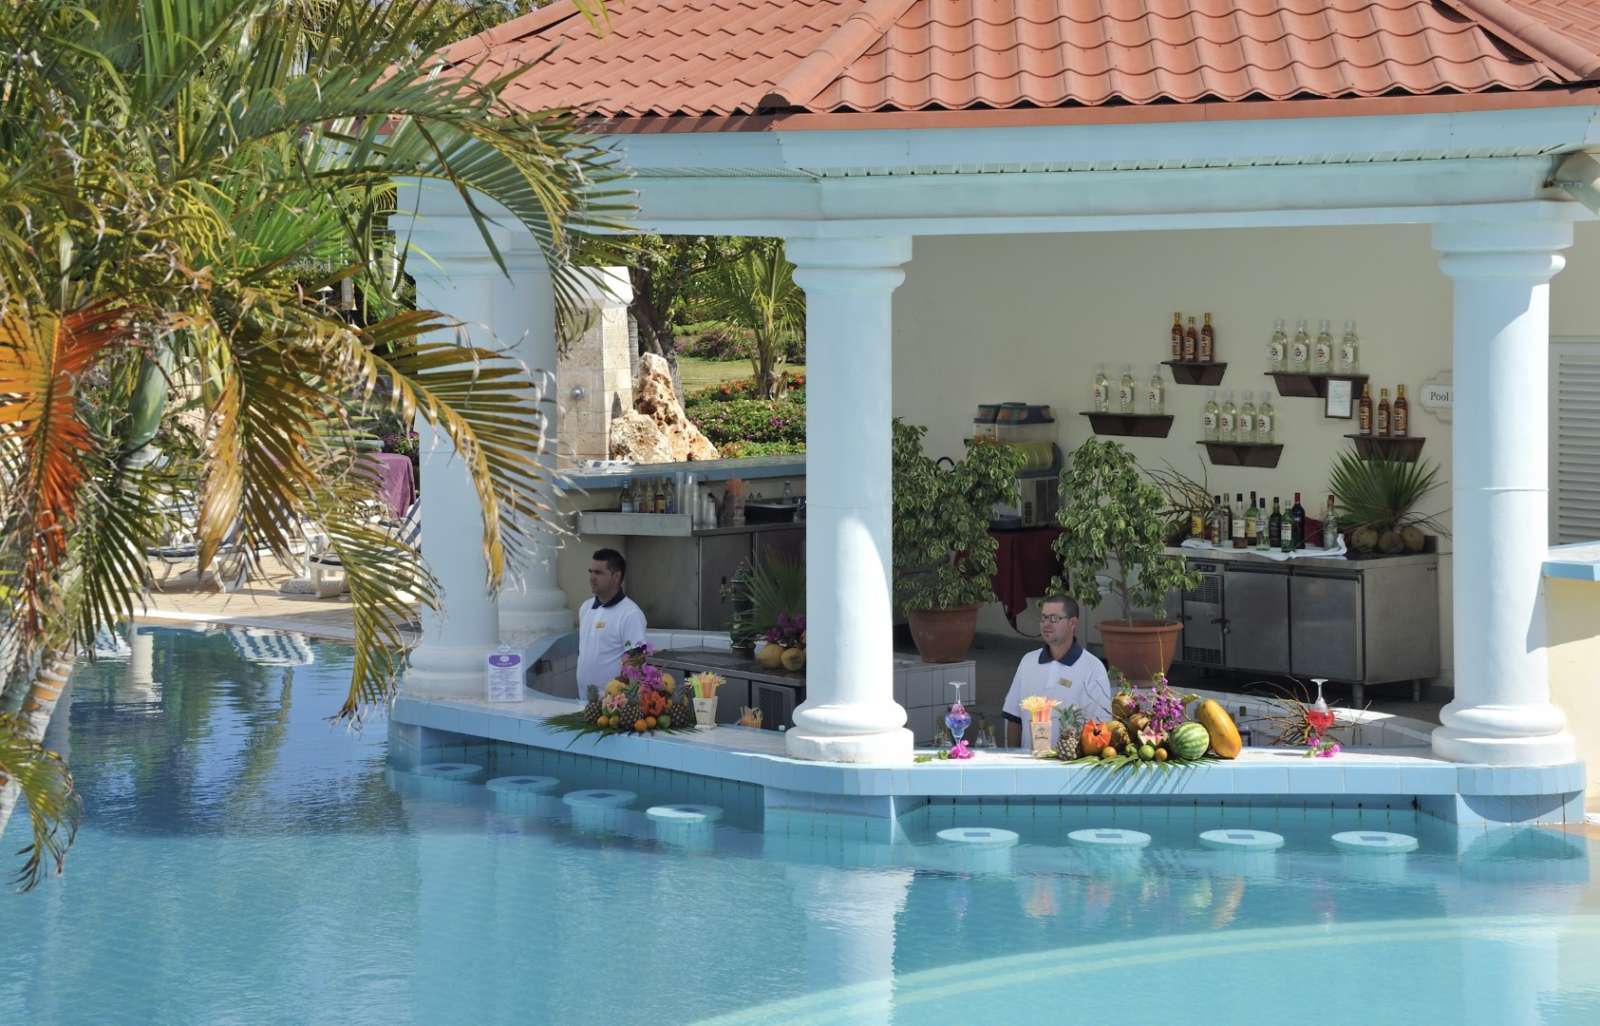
x=736, y=57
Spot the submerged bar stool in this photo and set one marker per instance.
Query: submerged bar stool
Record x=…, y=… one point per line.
x=444, y=778
x=685, y=825
x=977, y=849
x=521, y=793
x=1373, y=854
x=597, y=808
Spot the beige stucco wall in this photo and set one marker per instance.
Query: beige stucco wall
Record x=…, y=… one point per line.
x=1572, y=611
x=1028, y=318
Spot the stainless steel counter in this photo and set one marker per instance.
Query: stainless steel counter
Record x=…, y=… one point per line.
x=1322, y=562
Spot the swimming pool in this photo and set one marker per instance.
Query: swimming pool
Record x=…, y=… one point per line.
x=241, y=861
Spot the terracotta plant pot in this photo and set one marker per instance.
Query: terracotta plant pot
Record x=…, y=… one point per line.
x=1141, y=648
x=943, y=635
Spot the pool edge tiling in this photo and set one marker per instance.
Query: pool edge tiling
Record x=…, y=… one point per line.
x=1462, y=794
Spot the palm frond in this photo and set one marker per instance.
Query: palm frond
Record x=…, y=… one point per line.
x=54, y=808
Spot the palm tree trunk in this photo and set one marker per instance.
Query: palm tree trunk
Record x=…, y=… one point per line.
x=37, y=708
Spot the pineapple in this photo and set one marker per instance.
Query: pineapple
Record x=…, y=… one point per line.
x=1071, y=723
x=631, y=713
x=682, y=709
x=591, y=708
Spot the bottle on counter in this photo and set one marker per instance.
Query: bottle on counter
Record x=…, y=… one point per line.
x=1275, y=525
x=1297, y=524
x=1322, y=350
x=1364, y=409
x=1238, y=523
x=1261, y=525
x=1381, y=425
x=1300, y=348
x=788, y=493
x=1245, y=426
x=1277, y=347
x=1214, y=520
x=1126, y=390
x=1210, y=418
x=1101, y=401
x=1349, y=350
x=1177, y=335
x=672, y=493
x=1208, y=342
x=1400, y=416
x=1156, y=395
x=626, y=501
x=1228, y=419
x=1330, y=524
x=1266, y=419
x=1191, y=342
x=1252, y=527
x=660, y=500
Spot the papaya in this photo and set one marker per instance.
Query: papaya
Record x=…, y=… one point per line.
x=1094, y=739
x=1220, y=727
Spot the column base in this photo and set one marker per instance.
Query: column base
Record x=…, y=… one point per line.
x=1470, y=746
x=447, y=671
x=888, y=746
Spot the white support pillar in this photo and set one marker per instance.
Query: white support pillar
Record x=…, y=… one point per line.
x=849, y=714
x=1501, y=272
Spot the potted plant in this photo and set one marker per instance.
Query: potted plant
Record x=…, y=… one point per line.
x=1112, y=520
x=769, y=602
x=944, y=556
x=1376, y=501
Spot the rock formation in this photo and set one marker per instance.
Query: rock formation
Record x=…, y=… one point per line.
x=657, y=430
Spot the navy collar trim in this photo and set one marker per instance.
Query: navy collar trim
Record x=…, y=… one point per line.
x=1067, y=659
x=618, y=597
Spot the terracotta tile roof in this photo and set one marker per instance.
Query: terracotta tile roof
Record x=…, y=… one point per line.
x=740, y=57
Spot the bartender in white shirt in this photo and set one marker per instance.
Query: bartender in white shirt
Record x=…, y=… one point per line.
x=1063, y=670
x=609, y=624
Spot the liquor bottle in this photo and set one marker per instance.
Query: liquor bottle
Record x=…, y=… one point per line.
x=627, y=498
x=1228, y=420
x=1225, y=535
x=1177, y=335
x=1322, y=351
x=1191, y=342
x=1214, y=521
x=1156, y=395
x=1101, y=403
x=661, y=495
x=1300, y=348
x=1297, y=523
x=1252, y=528
x=1266, y=419
x=1382, y=425
x=1330, y=525
x=1364, y=409
x=1245, y=431
x=1126, y=389
x=1349, y=350
x=1275, y=525
x=1208, y=341
x=1211, y=417
x=1400, y=417
x=1261, y=525
x=1238, y=520
x=672, y=497
x=1277, y=347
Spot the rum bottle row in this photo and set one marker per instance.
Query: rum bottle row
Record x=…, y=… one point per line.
x=1386, y=419
x=1190, y=345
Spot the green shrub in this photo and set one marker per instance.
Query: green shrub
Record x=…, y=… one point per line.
x=744, y=388
x=751, y=420
x=745, y=450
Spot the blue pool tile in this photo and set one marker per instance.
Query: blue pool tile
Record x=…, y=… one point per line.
x=937, y=780
x=1419, y=780
x=1260, y=779
x=989, y=780
x=1371, y=779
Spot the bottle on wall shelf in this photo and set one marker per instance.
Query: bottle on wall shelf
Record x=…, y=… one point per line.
x=1381, y=426
x=1208, y=342
x=1300, y=348
x=1297, y=524
x=1400, y=416
x=1191, y=342
x=1364, y=410
x=1210, y=418
x=1266, y=419
x=1177, y=335
x=1101, y=401
x=1126, y=389
x=1245, y=426
x=1228, y=419
x=1277, y=347
x=1349, y=350
x=1156, y=395
x=1322, y=350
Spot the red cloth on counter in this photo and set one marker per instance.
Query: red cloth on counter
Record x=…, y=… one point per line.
x=1025, y=564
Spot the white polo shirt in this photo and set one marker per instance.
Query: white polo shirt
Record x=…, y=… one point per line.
x=605, y=632
x=1078, y=678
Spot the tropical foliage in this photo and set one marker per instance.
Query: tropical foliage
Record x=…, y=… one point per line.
x=1381, y=496
x=203, y=296
x=756, y=290
x=944, y=555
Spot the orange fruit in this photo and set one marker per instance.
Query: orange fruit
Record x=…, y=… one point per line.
x=638, y=726
x=650, y=722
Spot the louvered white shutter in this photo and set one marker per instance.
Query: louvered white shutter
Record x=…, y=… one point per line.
x=1574, y=441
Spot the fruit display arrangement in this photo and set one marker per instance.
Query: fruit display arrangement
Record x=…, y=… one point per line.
x=785, y=646
x=1149, y=729
x=641, y=699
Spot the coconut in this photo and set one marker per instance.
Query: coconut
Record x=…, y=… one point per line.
x=1413, y=537
x=794, y=658
x=1389, y=542
x=770, y=655
x=1364, y=539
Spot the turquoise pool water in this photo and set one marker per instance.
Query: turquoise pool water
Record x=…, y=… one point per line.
x=241, y=862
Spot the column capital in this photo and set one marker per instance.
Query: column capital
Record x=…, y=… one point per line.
x=1525, y=250
x=859, y=262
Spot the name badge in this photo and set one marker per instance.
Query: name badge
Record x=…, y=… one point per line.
x=599, y=625
x=1063, y=682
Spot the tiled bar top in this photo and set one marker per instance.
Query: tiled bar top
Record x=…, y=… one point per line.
x=757, y=757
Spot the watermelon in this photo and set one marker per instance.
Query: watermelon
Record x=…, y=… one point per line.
x=1189, y=741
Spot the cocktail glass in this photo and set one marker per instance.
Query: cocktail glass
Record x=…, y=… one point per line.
x=957, y=719
x=1318, y=715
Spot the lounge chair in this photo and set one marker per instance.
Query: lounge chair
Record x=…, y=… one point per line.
x=327, y=570
x=182, y=546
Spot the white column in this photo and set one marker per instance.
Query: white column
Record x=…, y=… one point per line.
x=1501, y=272
x=849, y=714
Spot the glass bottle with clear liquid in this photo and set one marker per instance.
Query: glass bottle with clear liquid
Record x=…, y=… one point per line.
x=1126, y=389
x=1210, y=418
x=1245, y=429
x=1101, y=400
x=1156, y=395
x=1228, y=419
x=1349, y=350
x=1277, y=347
x=1322, y=350
x=1266, y=419
x=1300, y=348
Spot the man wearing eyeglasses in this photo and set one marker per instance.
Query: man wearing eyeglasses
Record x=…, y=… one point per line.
x=1063, y=670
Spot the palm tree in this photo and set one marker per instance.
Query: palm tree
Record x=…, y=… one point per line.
x=181, y=182
x=756, y=290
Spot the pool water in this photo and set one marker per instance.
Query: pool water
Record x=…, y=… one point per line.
x=243, y=862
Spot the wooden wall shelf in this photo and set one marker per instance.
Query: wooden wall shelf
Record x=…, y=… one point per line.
x=1405, y=448
x=1139, y=425
x=1243, y=454
x=1193, y=372
x=1306, y=385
